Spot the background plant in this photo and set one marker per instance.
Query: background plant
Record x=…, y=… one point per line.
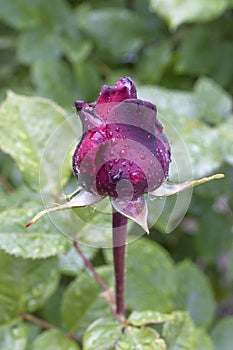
x=182, y=62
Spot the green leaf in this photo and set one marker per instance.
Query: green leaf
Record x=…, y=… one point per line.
x=176, y=12
x=53, y=79
x=204, y=342
x=101, y=26
x=33, y=245
x=180, y=333
x=84, y=302
x=54, y=340
x=13, y=337
x=38, y=44
x=147, y=69
x=141, y=318
x=194, y=293
x=226, y=140
x=209, y=57
x=222, y=334
x=190, y=138
x=102, y=334
x=20, y=14
x=149, y=265
x=41, y=242
x=71, y=262
x=140, y=338
x=170, y=102
x=25, y=285
x=30, y=122
x=214, y=103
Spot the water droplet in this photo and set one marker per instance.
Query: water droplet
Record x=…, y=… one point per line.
x=123, y=153
x=113, y=141
x=143, y=156
x=110, y=166
x=116, y=161
x=135, y=175
x=149, y=136
x=124, y=164
x=130, y=162
x=118, y=129
x=110, y=134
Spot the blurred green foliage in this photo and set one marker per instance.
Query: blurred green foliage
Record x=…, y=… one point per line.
x=180, y=55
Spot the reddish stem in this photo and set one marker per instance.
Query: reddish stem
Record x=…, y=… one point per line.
x=43, y=324
x=107, y=292
x=119, y=225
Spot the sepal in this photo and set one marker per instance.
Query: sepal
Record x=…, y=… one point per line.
x=82, y=199
x=135, y=210
x=168, y=189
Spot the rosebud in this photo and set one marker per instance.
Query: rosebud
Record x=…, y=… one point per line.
x=123, y=152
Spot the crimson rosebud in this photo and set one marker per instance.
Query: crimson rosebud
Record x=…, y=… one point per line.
x=123, y=152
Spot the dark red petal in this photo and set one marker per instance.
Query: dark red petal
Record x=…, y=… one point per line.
x=111, y=95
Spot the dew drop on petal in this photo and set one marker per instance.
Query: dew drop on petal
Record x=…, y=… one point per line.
x=143, y=156
x=135, y=175
x=113, y=141
x=123, y=153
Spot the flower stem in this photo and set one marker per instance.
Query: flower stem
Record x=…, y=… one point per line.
x=119, y=228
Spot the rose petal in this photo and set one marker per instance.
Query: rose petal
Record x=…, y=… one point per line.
x=89, y=118
x=135, y=210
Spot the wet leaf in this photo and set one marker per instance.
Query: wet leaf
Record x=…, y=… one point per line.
x=176, y=12
x=180, y=333
x=222, y=334
x=204, y=341
x=102, y=334
x=54, y=340
x=18, y=293
x=194, y=293
x=148, y=264
x=141, y=318
x=140, y=338
x=85, y=298
x=28, y=139
x=41, y=242
x=13, y=336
